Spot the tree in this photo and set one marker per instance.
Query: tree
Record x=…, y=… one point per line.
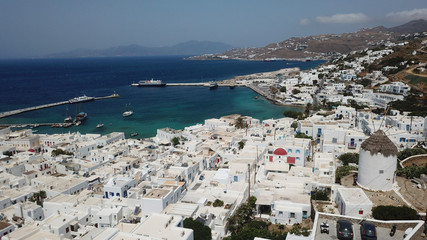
x=283, y=89
x=240, y=123
x=175, y=141
x=241, y=144
x=293, y=114
x=295, y=91
x=294, y=125
x=201, y=232
x=308, y=108
x=59, y=151
x=343, y=171
x=394, y=213
x=218, y=203
x=302, y=135
x=402, y=155
x=347, y=158
x=320, y=195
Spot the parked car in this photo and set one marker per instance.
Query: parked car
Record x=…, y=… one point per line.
x=344, y=230
x=368, y=231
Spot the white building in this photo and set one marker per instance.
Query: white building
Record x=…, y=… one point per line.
x=353, y=202
x=118, y=187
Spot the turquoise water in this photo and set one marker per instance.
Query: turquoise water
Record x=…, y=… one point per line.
x=31, y=82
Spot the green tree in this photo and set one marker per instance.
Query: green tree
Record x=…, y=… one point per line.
x=175, y=141
x=201, y=232
x=343, y=171
x=413, y=171
x=347, y=158
x=218, y=203
x=308, y=108
x=293, y=114
x=402, y=155
x=296, y=91
x=57, y=152
x=240, y=123
x=294, y=125
x=320, y=195
x=394, y=213
x=303, y=135
x=241, y=144
x=283, y=89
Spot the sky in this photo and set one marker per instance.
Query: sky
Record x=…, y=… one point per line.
x=36, y=28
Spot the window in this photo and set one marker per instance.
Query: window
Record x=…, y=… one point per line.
x=334, y=140
x=292, y=215
x=381, y=171
x=360, y=212
x=67, y=229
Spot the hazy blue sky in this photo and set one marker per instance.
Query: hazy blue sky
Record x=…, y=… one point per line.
x=32, y=28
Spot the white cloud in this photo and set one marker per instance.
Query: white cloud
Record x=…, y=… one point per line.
x=348, y=18
x=408, y=15
x=304, y=22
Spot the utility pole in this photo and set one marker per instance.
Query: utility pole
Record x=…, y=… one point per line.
x=249, y=181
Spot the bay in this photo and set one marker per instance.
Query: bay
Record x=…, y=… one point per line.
x=32, y=82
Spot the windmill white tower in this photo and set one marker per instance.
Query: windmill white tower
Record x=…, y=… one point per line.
x=377, y=162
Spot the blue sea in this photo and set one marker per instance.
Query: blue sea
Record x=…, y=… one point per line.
x=31, y=82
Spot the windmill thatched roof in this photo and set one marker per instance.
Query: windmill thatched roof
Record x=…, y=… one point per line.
x=379, y=143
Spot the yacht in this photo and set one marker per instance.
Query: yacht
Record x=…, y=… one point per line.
x=128, y=111
x=83, y=98
x=150, y=83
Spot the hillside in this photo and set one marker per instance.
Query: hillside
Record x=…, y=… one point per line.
x=323, y=46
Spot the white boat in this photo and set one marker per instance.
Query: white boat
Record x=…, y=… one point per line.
x=128, y=111
x=100, y=125
x=151, y=83
x=83, y=98
x=134, y=134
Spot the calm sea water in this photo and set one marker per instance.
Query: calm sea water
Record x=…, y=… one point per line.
x=25, y=83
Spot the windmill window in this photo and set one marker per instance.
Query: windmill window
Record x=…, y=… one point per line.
x=381, y=171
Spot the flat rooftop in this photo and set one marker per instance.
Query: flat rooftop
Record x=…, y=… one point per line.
x=157, y=193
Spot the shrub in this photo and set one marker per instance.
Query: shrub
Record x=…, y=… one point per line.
x=394, y=213
x=320, y=195
x=347, y=158
x=343, y=171
x=201, y=231
x=218, y=203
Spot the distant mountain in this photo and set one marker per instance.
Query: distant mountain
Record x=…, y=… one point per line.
x=323, y=46
x=186, y=48
x=414, y=26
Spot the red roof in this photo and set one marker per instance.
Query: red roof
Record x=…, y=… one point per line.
x=280, y=151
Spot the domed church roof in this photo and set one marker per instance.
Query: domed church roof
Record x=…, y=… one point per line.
x=379, y=143
x=280, y=151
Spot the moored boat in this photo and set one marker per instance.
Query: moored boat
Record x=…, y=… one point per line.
x=213, y=85
x=128, y=111
x=81, y=117
x=151, y=83
x=134, y=134
x=83, y=98
x=100, y=125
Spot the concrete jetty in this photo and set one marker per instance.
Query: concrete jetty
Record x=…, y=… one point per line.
x=28, y=109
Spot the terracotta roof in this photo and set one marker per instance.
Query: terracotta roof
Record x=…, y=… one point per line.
x=379, y=143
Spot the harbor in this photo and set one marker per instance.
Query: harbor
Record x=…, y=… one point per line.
x=28, y=109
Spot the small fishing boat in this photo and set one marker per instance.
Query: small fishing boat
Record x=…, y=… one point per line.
x=100, y=125
x=134, y=134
